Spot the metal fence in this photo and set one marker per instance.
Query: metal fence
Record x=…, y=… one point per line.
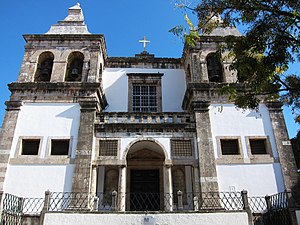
x=62, y=201
x=271, y=210
x=257, y=204
x=138, y=201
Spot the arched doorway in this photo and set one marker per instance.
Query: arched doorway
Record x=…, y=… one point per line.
x=145, y=160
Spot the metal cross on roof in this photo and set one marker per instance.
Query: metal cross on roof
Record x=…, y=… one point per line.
x=145, y=42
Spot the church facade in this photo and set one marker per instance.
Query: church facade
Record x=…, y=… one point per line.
x=80, y=121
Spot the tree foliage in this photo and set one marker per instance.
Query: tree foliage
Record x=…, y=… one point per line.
x=261, y=57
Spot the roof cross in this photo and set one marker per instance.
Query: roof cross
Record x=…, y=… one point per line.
x=145, y=42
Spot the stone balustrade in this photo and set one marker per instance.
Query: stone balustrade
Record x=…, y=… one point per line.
x=144, y=118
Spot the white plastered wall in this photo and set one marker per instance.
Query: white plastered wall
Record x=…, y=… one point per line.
x=259, y=178
x=115, y=85
x=44, y=120
x=216, y=218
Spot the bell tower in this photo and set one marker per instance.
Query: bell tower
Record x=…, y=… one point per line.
x=61, y=67
x=205, y=71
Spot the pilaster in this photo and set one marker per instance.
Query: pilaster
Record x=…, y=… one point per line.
x=6, y=135
x=284, y=149
x=122, y=188
x=168, y=189
x=207, y=164
x=83, y=166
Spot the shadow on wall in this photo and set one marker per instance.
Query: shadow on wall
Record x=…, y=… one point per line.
x=73, y=114
x=117, y=92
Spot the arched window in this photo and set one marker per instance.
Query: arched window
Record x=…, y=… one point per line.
x=44, y=68
x=74, y=68
x=214, y=68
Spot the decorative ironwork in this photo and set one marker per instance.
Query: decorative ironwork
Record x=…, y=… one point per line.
x=278, y=212
x=269, y=210
x=144, y=201
x=279, y=201
x=33, y=206
x=12, y=207
x=62, y=201
x=257, y=204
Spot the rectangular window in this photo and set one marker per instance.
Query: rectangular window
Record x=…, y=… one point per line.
x=230, y=146
x=181, y=148
x=258, y=146
x=108, y=147
x=60, y=146
x=144, y=98
x=144, y=92
x=30, y=146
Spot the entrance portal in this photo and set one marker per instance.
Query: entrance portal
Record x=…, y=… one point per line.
x=144, y=193
x=145, y=176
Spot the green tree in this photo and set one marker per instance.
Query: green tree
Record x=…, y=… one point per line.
x=263, y=54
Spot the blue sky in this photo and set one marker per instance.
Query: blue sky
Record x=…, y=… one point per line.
x=122, y=22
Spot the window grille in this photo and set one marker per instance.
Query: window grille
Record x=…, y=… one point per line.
x=30, y=146
x=229, y=146
x=258, y=146
x=144, y=98
x=181, y=147
x=108, y=147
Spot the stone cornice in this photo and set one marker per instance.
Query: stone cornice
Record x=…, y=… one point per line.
x=132, y=62
x=15, y=86
x=274, y=106
x=206, y=92
x=61, y=91
x=88, y=104
x=72, y=37
x=142, y=128
x=59, y=39
x=13, y=105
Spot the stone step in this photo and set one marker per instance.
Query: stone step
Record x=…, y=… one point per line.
x=2, y=169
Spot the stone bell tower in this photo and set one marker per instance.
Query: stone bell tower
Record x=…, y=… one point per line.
x=63, y=65
x=205, y=71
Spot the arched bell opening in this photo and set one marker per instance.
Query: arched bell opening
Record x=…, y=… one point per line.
x=145, y=182
x=74, y=67
x=44, y=67
x=214, y=68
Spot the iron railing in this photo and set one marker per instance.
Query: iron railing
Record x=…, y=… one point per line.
x=70, y=201
x=32, y=206
x=11, y=210
x=257, y=204
x=138, y=201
